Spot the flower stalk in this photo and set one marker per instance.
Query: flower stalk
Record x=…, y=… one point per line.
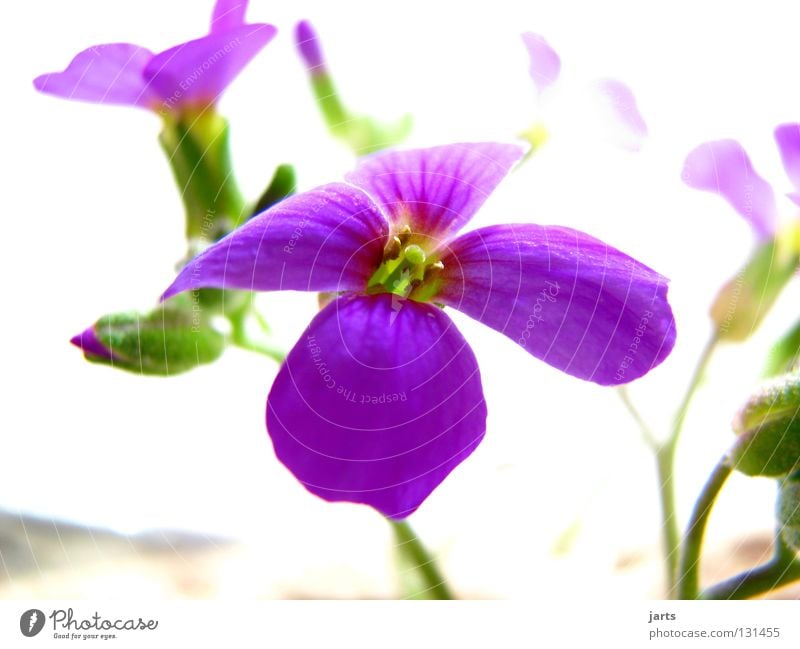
x=415, y=555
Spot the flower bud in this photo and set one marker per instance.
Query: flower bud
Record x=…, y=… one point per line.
x=744, y=301
x=166, y=341
x=785, y=354
x=769, y=430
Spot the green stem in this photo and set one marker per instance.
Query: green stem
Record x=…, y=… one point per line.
x=240, y=338
x=647, y=433
x=416, y=556
x=782, y=569
x=688, y=584
x=665, y=463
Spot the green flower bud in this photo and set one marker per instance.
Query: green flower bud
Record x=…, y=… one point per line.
x=769, y=430
x=785, y=354
x=789, y=511
x=166, y=341
x=744, y=301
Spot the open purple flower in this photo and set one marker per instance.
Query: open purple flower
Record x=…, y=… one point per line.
x=192, y=74
x=381, y=397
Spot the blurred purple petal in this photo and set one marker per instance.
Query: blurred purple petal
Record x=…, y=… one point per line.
x=723, y=167
x=108, y=74
x=228, y=14
x=437, y=190
x=567, y=298
x=308, y=45
x=328, y=239
x=545, y=63
x=617, y=101
x=788, y=138
x=377, y=403
x=199, y=71
x=90, y=344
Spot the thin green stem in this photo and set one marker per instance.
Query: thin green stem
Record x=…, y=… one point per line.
x=647, y=433
x=416, y=556
x=665, y=463
x=782, y=569
x=240, y=338
x=688, y=584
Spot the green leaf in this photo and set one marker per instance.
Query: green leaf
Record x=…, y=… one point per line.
x=282, y=185
x=785, y=354
x=769, y=430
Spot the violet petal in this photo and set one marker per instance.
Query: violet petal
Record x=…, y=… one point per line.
x=377, y=403
x=723, y=167
x=228, y=14
x=788, y=138
x=90, y=344
x=107, y=74
x=436, y=190
x=199, y=71
x=328, y=239
x=617, y=101
x=545, y=64
x=567, y=298
x=308, y=45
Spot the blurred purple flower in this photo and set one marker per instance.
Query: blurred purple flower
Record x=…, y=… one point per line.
x=381, y=397
x=611, y=98
x=724, y=168
x=189, y=75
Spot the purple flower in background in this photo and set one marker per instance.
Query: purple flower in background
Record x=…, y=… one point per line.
x=610, y=98
x=381, y=397
x=190, y=75
x=724, y=168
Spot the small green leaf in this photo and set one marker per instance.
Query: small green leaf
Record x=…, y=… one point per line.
x=785, y=354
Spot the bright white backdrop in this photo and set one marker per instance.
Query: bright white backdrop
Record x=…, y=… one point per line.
x=93, y=225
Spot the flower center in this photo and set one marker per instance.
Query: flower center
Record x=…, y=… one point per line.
x=406, y=268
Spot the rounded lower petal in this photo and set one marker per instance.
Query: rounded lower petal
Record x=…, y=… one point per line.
x=228, y=14
x=617, y=104
x=723, y=167
x=545, y=64
x=328, y=239
x=437, y=190
x=377, y=403
x=565, y=297
x=788, y=138
x=199, y=71
x=105, y=74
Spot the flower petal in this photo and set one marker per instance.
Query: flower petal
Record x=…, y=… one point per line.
x=198, y=71
x=567, y=298
x=723, y=167
x=328, y=239
x=305, y=36
x=377, y=403
x=617, y=102
x=228, y=14
x=788, y=139
x=90, y=344
x=545, y=62
x=106, y=74
x=437, y=190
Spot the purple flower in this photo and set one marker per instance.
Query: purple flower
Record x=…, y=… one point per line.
x=724, y=168
x=611, y=99
x=381, y=397
x=190, y=75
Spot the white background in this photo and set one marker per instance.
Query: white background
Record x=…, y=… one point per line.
x=93, y=224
